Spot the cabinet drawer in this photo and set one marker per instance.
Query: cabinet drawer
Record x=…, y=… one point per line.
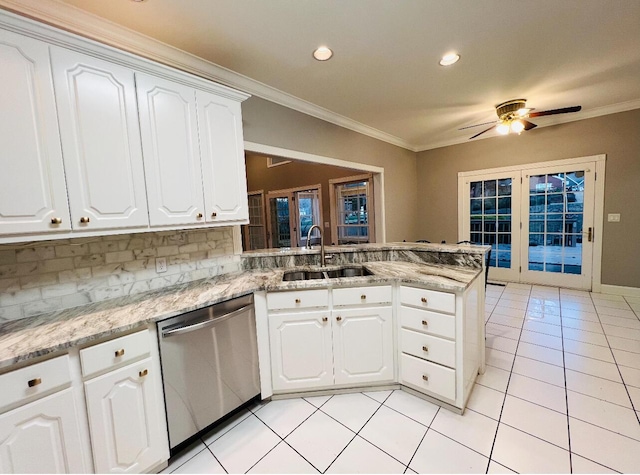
x=362, y=295
x=24, y=383
x=428, y=347
x=427, y=321
x=428, y=377
x=298, y=299
x=114, y=352
x=428, y=299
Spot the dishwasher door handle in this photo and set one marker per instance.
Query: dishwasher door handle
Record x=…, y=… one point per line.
x=207, y=323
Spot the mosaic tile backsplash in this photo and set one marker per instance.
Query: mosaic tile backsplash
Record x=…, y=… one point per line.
x=54, y=275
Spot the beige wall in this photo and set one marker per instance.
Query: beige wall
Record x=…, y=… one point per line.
x=294, y=175
x=270, y=124
x=616, y=135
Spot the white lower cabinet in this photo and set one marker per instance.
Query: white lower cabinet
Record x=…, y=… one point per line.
x=42, y=437
x=347, y=344
x=363, y=345
x=301, y=350
x=124, y=420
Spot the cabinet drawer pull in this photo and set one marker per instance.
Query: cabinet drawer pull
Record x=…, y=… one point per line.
x=214, y=214
x=324, y=319
x=423, y=299
x=425, y=377
x=425, y=323
x=34, y=382
x=363, y=297
x=142, y=374
x=85, y=219
x=120, y=352
x=338, y=318
x=297, y=300
x=199, y=215
x=56, y=221
x=425, y=348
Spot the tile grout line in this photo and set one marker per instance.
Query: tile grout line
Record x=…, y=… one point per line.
x=423, y=436
x=282, y=438
x=613, y=355
x=566, y=390
x=506, y=389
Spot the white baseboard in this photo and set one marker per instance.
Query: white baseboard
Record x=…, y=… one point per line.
x=620, y=290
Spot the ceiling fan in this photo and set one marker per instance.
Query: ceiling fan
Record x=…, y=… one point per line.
x=512, y=117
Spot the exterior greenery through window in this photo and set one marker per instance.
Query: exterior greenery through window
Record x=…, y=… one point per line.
x=352, y=199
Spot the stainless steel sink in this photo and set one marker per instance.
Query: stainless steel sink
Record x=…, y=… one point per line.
x=348, y=272
x=329, y=274
x=302, y=275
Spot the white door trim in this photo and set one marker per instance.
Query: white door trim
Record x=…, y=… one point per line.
x=378, y=175
x=598, y=212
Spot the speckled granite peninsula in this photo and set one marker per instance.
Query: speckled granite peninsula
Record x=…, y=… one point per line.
x=438, y=266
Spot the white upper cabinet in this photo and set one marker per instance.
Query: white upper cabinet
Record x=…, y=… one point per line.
x=100, y=141
x=169, y=128
x=223, y=168
x=33, y=196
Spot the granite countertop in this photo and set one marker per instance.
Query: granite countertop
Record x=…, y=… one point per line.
x=30, y=338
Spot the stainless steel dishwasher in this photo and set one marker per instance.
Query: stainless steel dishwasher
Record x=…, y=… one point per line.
x=209, y=365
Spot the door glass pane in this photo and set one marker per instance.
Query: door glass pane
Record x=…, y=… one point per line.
x=490, y=215
x=556, y=206
x=279, y=212
x=308, y=215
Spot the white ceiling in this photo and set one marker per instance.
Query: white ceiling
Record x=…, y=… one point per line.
x=385, y=72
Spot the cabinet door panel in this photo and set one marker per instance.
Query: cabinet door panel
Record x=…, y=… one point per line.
x=169, y=130
x=223, y=167
x=100, y=141
x=124, y=420
x=42, y=437
x=363, y=345
x=301, y=353
x=32, y=184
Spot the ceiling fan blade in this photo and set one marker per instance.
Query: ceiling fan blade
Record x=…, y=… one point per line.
x=528, y=125
x=487, y=130
x=564, y=110
x=478, y=125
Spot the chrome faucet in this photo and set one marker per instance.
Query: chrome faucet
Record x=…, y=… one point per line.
x=308, y=246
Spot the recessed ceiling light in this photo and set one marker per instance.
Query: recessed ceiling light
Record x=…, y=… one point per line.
x=322, y=53
x=449, y=59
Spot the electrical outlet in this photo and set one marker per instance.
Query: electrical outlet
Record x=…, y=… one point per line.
x=161, y=264
x=613, y=217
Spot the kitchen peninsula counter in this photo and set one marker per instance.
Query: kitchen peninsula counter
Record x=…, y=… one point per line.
x=439, y=267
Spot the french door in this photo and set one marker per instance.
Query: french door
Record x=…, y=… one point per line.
x=538, y=220
x=291, y=213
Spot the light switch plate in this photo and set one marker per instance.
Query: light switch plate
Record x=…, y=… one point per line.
x=161, y=264
x=613, y=217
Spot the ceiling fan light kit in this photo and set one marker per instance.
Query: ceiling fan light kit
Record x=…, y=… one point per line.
x=512, y=117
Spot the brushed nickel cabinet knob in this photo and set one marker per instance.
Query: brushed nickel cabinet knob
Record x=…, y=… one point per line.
x=425, y=323
x=324, y=319
x=56, y=221
x=338, y=318
x=425, y=377
x=34, y=382
x=214, y=214
x=120, y=352
x=142, y=374
x=297, y=300
x=199, y=215
x=425, y=348
x=423, y=299
x=363, y=297
x=85, y=219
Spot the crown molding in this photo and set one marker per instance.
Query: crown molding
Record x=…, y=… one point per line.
x=549, y=121
x=80, y=22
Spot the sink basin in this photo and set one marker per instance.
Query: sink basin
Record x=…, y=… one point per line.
x=348, y=272
x=302, y=275
x=330, y=274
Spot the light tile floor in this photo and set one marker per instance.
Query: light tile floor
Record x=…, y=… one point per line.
x=561, y=394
